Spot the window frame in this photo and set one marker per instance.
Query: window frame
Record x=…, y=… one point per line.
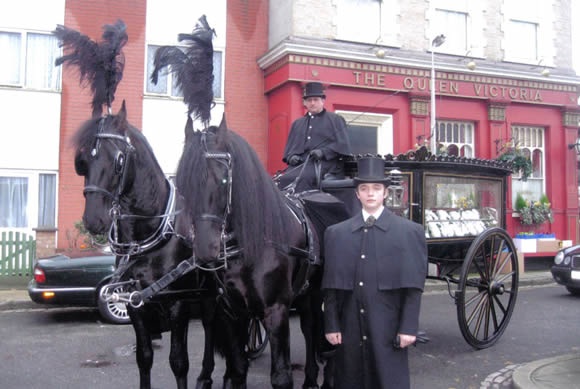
x=512, y=41
x=33, y=196
x=516, y=177
x=384, y=122
x=23, y=57
x=459, y=144
x=446, y=48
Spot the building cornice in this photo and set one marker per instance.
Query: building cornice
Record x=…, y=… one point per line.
x=395, y=57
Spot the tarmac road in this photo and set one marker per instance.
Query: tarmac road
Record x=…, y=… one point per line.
x=72, y=348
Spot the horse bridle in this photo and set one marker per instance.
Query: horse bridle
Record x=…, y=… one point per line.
x=120, y=164
x=226, y=160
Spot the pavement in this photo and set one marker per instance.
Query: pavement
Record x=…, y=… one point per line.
x=553, y=373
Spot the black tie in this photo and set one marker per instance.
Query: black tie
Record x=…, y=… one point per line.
x=370, y=221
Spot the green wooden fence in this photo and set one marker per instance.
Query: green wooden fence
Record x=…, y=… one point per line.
x=17, y=258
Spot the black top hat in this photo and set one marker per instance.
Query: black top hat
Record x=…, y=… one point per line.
x=313, y=89
x=371, y=170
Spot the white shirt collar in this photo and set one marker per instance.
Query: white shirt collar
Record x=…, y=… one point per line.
x=376, y=214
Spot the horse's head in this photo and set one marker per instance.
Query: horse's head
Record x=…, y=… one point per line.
x=104, y=157
x=205, y=174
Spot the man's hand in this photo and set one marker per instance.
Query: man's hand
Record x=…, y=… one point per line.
x=334, y=338
x=317, y=154
x=294, y=160
x=407, y=340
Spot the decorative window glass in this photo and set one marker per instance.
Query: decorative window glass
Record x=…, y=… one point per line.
x=13, y=202
x=531, y=141
x=522, y=40
x=166, y=79
x=31, y=63
x=457, y=138
x=453, y=25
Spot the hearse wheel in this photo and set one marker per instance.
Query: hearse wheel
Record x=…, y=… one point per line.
x=488, y=288
x=257, y=338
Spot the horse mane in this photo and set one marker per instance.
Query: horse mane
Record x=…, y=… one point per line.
x=259, y=211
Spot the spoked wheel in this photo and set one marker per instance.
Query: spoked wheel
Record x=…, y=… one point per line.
x=257, y=338
x=488, y=288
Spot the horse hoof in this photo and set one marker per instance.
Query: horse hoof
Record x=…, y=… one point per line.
x=204, y=384
x=229, y=384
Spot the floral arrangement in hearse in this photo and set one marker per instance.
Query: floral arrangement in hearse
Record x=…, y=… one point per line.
x=534, y=212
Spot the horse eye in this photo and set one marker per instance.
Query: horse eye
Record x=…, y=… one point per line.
x=224, y=181
x=119, y=162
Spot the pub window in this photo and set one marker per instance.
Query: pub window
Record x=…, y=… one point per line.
x=455, y=138
x=369, y=133
x=166, y=84
x=379, y=18
x=453, y=25
x=522, y=40
x=531, y=141
x=29, y=60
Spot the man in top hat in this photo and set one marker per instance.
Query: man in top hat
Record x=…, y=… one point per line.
x=319, y=135
x=374, y=273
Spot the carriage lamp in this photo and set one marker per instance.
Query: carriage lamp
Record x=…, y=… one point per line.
x=575, y=146
x=395, y=191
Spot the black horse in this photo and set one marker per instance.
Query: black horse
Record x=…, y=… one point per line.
x=229, y=196
x=127, y=193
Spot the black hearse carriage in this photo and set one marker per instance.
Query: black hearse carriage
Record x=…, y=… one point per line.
x=461, y=203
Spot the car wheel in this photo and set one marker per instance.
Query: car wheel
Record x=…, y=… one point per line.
x=574, y=291
x=115, y=313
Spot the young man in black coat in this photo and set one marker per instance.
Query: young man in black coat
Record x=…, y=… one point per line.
x=374, y=274
x=318, y=135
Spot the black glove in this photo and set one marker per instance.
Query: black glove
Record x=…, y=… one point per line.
x=294, y=160
x=317, y=154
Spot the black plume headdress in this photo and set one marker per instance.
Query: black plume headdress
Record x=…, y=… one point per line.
x=100, y=64
x=192, y=68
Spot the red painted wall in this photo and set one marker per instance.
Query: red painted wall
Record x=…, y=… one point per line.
x=283, y=81
x=88, y=17
x=247, y=39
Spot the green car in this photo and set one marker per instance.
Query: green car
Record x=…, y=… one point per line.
x=76, y=280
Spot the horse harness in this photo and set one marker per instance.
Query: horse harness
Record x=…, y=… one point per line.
x=228, y=250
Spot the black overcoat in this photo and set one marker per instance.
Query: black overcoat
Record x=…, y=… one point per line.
x=325, y=131
x=373, y=280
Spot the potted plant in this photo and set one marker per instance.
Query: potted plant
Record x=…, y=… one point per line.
x=520, y=162
x=534, y=212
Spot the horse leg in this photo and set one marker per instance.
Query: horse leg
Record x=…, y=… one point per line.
x=178, y=357
x=308, y=327
x=144, y=352
x=236, y=358
x=204, y=380
x=278, y=326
